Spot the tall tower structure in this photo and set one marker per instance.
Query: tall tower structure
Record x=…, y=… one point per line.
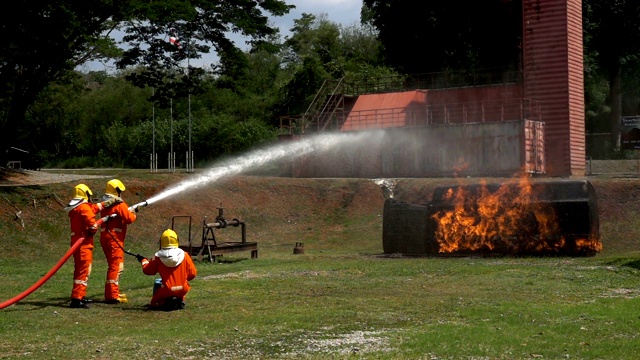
x=553, y=74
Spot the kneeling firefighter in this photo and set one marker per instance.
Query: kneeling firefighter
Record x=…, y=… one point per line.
x=176, y=269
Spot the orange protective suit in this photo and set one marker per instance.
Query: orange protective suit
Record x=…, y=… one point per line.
x=112, y=235
x=82, y=216
x=176, y=269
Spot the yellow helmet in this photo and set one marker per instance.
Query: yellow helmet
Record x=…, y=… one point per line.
x=114, y=187
x=169, y=239
x=82, y=191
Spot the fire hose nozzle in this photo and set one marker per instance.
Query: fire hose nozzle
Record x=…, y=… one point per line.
x=136, y=207
x=106, y=218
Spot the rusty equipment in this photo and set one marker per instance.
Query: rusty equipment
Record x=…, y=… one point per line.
x=210, y=247
x=546, y=218
x=299, y=248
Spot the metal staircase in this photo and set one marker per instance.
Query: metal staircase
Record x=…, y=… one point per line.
x=326, y=111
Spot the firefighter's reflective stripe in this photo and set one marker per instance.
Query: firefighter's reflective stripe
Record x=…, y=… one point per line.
x=176, y=288
x=114, y=229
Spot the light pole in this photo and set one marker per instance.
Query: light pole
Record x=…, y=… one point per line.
x=189, y=154
x=154, y=164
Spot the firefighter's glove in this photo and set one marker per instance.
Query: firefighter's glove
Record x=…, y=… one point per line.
x=112, y=201
x=139, y=257
x=92, y=230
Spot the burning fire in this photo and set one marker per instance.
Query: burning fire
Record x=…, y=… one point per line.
x=509, y=219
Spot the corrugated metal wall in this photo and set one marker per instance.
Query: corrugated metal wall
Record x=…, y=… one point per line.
x=553, y=74
x=443, y=106
x=504, y=92
x=377, y=111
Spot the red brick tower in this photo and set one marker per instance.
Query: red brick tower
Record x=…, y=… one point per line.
x=553, y=74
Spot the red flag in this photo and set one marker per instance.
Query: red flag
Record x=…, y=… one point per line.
x=174, y=41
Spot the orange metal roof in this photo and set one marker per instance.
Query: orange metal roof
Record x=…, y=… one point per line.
x=384, y=110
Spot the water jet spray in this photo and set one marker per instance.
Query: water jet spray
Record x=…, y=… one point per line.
x=259, y=157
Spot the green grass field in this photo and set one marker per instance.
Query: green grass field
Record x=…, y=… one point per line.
x=341, y=299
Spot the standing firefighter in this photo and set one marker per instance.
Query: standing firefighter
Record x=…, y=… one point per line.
x=176, y=269
x=112, y=235
x=82, y=215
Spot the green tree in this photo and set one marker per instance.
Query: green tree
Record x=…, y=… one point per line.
x=78, y=118
x=319, y=50
x=612, y=48
x=51, y=128
x=196, y=26
x=49, y=39
x=431, y=36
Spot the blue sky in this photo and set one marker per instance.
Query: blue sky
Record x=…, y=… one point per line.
x=345, y=12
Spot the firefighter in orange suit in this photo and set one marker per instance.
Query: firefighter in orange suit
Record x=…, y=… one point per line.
x=82, y=215
x=112, y=236
x=176, y=269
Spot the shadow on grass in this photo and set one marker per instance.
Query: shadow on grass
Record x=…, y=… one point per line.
x=41, y=304
x=632, y=263
x=63, y=303
x=220, y=260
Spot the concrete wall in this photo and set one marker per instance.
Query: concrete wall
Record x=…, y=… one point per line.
x=477, y=149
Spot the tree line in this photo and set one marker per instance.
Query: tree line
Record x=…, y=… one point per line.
x=70, y=118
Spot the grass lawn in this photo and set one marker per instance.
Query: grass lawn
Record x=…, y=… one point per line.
x=316, y=306
x=341, y=299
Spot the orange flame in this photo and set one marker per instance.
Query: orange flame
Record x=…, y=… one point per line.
x=508, y=219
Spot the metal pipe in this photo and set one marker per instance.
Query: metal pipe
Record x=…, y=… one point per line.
x=222, y=223
x=217, y=225
x=244, y=231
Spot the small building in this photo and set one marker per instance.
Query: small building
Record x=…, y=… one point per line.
x=531, y=123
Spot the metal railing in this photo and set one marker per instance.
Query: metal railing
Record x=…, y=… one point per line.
x=432, y=114
x=438, y=80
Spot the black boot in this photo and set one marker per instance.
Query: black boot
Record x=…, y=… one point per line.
x=78, y=304
x=173, y=303
x=178, y=304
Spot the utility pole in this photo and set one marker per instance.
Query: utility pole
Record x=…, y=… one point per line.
x=189, y=153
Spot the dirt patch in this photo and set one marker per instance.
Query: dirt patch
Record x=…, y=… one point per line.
x=30, y=177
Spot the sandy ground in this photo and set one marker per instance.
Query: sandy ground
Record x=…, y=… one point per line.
x=30, y=177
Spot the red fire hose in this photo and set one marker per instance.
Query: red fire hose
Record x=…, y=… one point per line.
x=45, y=277
x=61, y=262
x=48, y=275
